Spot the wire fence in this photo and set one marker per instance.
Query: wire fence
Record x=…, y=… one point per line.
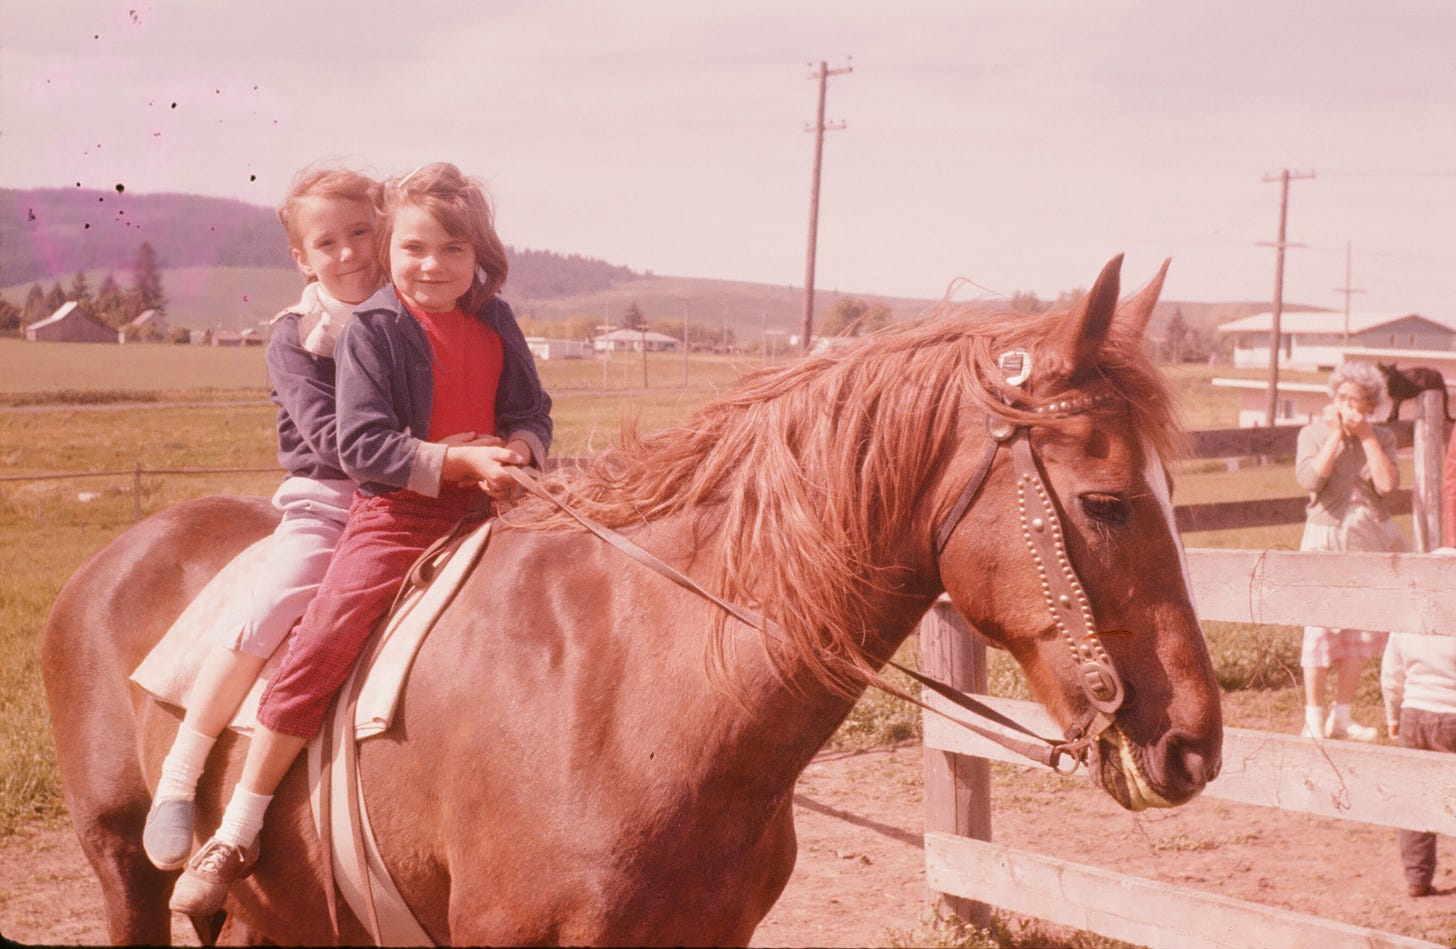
x=136, y=472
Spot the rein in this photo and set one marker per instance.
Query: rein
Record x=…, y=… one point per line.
x=1066, y=600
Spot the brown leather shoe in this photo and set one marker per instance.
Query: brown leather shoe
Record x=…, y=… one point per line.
x=1420, y=889
x=203, y=887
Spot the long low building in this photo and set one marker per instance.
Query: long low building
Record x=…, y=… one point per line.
x=1316, y=340
x=1300, y=402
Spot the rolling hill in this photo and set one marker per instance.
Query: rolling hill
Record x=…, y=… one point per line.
x=224, y=266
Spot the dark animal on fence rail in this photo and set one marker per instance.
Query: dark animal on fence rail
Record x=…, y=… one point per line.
x=586, y=754
x=1403, y=384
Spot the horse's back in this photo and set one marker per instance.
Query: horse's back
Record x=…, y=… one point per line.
x=111, y=611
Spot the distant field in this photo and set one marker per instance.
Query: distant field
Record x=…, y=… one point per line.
x=54, y=367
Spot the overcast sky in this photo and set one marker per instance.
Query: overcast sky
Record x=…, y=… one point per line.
x=1015, y=144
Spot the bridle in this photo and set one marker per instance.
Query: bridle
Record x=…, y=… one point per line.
x=1041, y=530
x=1066, y=600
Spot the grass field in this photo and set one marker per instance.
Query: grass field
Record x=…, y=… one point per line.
x=81, y=408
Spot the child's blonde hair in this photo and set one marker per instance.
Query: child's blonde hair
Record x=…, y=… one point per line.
x=322, y=181
x=462, y=208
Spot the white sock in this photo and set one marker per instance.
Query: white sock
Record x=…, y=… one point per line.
x=243, y=818
x=1314, y=718
x=183, y=765
x=1340, y=715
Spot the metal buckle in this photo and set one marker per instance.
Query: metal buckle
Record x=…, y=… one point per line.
x=1015, y=365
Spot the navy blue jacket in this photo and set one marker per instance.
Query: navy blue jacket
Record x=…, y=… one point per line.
x=386, y=389
x=303, y=388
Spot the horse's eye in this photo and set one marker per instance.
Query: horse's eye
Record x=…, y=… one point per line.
x=1105, y=507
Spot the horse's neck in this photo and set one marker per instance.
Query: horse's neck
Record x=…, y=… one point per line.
x=786, y=715
x=762, y=718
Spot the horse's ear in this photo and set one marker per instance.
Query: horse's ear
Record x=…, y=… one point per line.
x=1072, y=346
x=1134, y=313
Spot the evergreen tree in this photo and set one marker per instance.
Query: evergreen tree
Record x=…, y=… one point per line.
x=633, y=319
x=55, y=299
x=81, y=289
x=35, y=305
x=9, y=318
x=147, y=279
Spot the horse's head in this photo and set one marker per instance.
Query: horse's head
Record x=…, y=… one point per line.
x=1068, y=556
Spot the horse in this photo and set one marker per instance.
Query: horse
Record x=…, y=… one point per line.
x=1409, y=383
x=585, y=753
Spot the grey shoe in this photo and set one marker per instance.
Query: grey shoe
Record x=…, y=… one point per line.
x=167, y=838
x=203, y=887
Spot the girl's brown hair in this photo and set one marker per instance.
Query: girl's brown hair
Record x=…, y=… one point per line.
x=319, y=181
x=463, y=210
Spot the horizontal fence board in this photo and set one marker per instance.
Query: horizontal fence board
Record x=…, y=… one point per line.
x=1404, y=592
x=1132, y=909
x=1261, y=512
x=1373, y=784
x=1279, y=440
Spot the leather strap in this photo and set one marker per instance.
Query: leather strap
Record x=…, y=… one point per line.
x=1049, y=752
x=968, y=494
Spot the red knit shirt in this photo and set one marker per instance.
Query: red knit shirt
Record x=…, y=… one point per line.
x=467, y=357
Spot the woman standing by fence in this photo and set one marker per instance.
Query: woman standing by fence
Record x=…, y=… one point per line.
x=1348, y=466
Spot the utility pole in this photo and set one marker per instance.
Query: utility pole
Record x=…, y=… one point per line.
x=685, y=340
x=1284, y=177
x=1347, y=290
x=818, y=128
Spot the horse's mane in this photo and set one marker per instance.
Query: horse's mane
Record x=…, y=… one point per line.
x=799, y=473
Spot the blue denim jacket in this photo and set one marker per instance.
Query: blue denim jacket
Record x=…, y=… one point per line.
x=386, y=388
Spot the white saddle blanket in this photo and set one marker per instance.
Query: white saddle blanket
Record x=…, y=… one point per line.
x=170, y=669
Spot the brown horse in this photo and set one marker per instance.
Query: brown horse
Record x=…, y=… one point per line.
x=587, y=754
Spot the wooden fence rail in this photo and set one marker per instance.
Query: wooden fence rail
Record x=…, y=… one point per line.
x=1385, y=786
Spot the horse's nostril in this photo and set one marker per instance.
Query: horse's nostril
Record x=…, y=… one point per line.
x=1197, y=768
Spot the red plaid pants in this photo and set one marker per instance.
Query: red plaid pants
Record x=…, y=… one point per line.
x=384, y=536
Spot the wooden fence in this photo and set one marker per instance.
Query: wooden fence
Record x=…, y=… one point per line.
x=966, y=872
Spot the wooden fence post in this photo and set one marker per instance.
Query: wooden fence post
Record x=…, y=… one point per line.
x=1429, y=450
x=957, y=787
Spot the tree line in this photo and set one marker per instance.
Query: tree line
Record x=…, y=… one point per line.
x=111, y=303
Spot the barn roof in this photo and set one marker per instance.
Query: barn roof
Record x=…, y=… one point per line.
x=56, y=317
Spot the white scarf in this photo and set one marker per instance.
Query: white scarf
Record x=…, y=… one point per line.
x=321, y=319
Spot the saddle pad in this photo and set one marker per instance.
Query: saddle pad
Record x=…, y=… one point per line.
x=171, y=667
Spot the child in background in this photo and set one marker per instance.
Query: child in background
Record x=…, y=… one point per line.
x=1418, y=683
x=435, y=355
x=329, y=217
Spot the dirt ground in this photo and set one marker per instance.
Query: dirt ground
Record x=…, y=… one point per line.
x=860, y=879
